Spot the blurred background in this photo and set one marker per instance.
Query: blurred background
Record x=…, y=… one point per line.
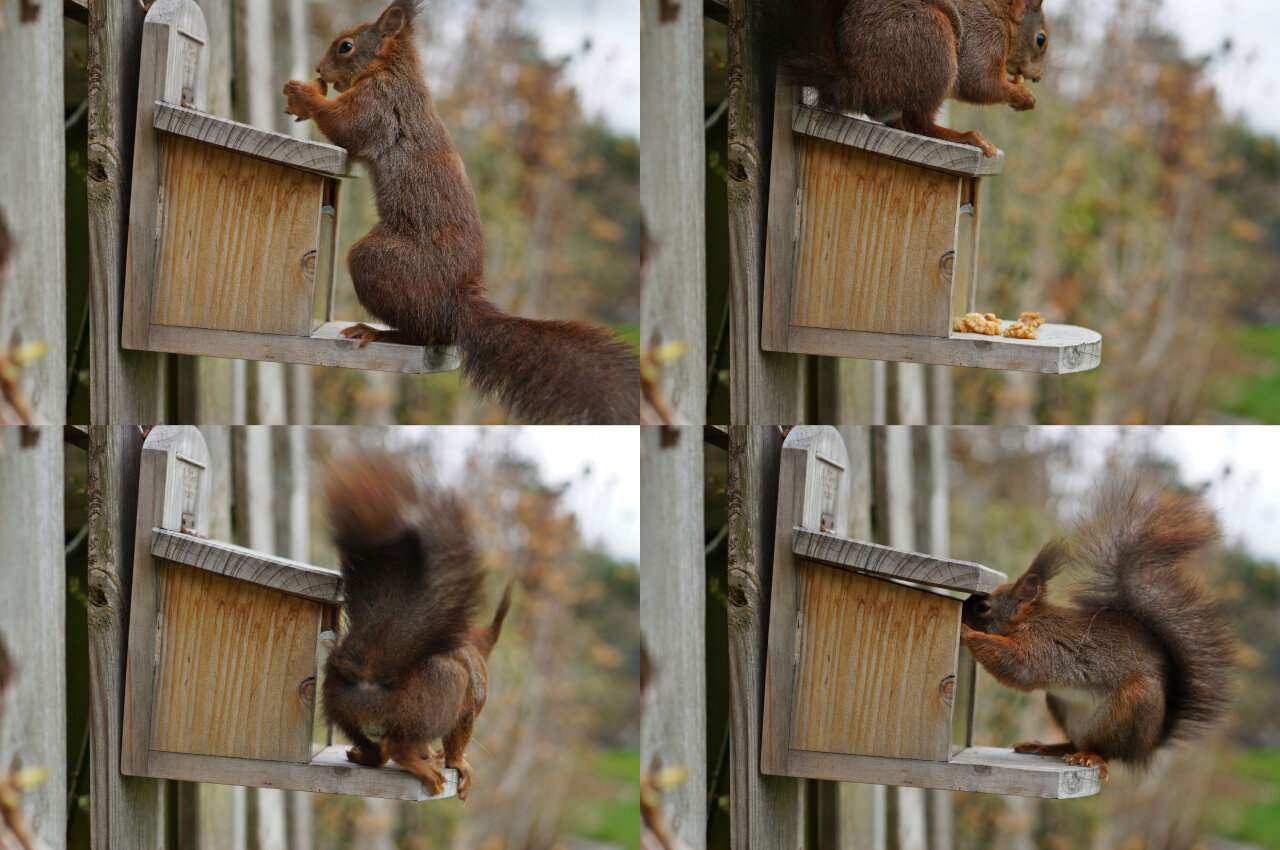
x=555, y=750
x=994, y=496
x=1140, y=198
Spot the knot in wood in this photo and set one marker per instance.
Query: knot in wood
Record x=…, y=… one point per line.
x=307, y=691
x=309, y=264
x=948, y=689
x=947, y=266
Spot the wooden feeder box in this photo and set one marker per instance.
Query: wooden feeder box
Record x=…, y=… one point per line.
x=866, y=678
x=864, y=227
x=231, y=228
x=223, y=649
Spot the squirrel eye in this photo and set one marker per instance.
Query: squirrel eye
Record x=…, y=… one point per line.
x=347, y=47
x=1040, y=39
x=982, y=607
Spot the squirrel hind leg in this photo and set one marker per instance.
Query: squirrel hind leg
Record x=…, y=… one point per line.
x=1088, y=758
x=927, y=127
x=1044, y=749
x=405, y=753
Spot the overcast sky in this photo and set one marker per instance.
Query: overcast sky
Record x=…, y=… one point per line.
x=1241, y=465
x=1250, y=82
x=601, y=465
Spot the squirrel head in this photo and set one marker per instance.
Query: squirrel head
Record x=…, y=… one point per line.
x=1007, y=604
x=1030, y=44
x=356, y=50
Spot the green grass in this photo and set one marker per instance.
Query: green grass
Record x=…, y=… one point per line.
x=1251, y=388
x=607, y=806
x=1250, y=810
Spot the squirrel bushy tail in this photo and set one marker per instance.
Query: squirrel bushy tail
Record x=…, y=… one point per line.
x=548, y=371
x=1136, y=543
x=409, y=572
x=487, y=637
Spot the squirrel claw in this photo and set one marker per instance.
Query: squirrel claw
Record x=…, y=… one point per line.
x=464, y=779
x=1088, y=758
x=360, y=329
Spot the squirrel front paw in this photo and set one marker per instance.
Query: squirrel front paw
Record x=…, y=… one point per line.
x=298, y=93
x=1021, y=98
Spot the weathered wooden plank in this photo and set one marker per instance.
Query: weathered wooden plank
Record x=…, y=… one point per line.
x=783, y=225
x=325, y=347
x=875, y=667
x=891, y=143
x=33, y=299
x=329, y=772
x=33, y=617
x=123, y=809
x=1061, y=349
x=301, y=154
x=174, y=69
x=672, y=621
x=125, y=386
x=766, y=387
x=234, y=662
x=765, y=811
x=986, y=770
x=876, y=242
x=813, y=492
x=173, y=493
x=887, y=561
x=258, y=568
x=673, y=198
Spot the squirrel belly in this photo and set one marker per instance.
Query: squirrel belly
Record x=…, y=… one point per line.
x=1141, y=656
x=421, y=268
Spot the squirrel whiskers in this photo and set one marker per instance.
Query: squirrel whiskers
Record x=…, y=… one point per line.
x=421, y=268
x=1140, y=657
x=410, y=668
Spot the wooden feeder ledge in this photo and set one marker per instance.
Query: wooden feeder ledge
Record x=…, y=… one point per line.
x=866, y=679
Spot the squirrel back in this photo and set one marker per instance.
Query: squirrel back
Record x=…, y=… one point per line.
x=409, y=572
x=1136, y=542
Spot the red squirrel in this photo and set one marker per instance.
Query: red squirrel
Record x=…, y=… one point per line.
x=421, y=268
x=898, y=61
x=1141, y=656
x=410, y=668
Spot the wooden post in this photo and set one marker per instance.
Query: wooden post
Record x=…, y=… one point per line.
x=672, y=622
x=32, y=193
x=766, y=387
x=33, y=614
x=672, y=198
x=765, y=811
x=125, y=810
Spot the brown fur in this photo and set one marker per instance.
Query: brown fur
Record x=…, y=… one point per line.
x=899, y=60
x=1143, y=637
x=410, y=668
x=421, y=268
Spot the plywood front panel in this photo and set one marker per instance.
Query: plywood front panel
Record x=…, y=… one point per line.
x=231, y=660
x=876, y=242
x=877, y=664
x=236, y=233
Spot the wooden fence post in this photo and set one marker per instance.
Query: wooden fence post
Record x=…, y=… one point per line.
x=33, y=619
x=126, y=811
x=766, y=811
x=33, y=302
x=672, y=621
x=672, y=198
x=766, y=387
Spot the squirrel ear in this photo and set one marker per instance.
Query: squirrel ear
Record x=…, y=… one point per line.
x=391, y=21
x=1028, y=587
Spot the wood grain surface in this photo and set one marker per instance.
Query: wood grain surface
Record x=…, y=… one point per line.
x=875, y=667
x=889, y=562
